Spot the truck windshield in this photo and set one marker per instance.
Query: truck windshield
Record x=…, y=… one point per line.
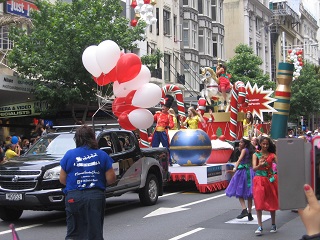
x=53, y=144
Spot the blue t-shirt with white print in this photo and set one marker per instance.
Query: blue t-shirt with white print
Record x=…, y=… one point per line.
x=85, y=168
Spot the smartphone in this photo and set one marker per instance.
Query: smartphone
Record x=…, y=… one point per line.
x=315, y=166
x=294, y=170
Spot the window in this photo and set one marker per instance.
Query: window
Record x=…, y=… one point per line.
x=258, y=48
x=194, y=35
x=167, y=64
x=166, y=22
x=5, y=43
x=214, y=46
x=220, y=12
x=208, y=39
x=175, y=27
x=185, y=2
x=201, y=41
x=200, y=6
x=221, y=47
x=214, y=10
x=258, y=24
x=185, y=34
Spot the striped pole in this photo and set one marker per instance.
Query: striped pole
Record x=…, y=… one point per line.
x=282, y=105
x=238, y=97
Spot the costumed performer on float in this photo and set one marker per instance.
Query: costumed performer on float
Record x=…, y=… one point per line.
x=193, y=119
x=223, y=81
x=248, y=125
x=164, y=121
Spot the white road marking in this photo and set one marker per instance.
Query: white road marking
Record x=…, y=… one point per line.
x=161, y=211
x=245, y=220
x=21, y=228
x=186, y=234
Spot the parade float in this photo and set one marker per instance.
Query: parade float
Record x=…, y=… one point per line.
x=201, y=155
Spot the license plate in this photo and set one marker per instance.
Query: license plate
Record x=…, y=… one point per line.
x=14, y=196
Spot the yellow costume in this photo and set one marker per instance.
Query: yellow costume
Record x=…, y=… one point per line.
x=193, y=122
x=247, y=128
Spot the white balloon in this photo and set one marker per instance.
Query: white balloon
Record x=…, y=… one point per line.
x=141, y=118
x=147, y=96
x=149, y=8
x=90, y=62
x=120, y=90
x=142, y=78
x=108, y=54
x=153, y=20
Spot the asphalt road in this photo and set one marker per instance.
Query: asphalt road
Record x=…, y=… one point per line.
x=182, y=213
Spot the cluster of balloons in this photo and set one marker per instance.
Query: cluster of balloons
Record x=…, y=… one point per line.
x=143, y=10
x=295, y=57
x=134, y=94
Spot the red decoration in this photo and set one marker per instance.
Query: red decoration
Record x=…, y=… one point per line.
x=130, y=96
x=133, y=3
x=134, y=22
x=119, y=106
x=128, y=67
x=301, y=64
x=290, y=51
x=147, y=1
x=111, y=76
x=222, y=138
x=214, y=137
x=124, y=121
x=101, y=80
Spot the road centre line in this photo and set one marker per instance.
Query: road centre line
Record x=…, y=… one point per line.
x=186, y=234
x=20, y=228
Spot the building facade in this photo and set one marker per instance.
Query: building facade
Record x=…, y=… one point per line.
x=249, y=22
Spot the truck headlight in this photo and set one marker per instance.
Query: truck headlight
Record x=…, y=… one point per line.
x=52, y=174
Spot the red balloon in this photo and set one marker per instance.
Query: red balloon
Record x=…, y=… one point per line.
x=290, y=51
x=133, y=4
x=101, y=80
x=147, y=1
x=134, y=22
x=130, y=96
x=149, y=139
x=222, y=138
x=301, y=63
x=119, y=106
x=214, y=137
x=128, y=67
x=111, y=76
x=124, y=122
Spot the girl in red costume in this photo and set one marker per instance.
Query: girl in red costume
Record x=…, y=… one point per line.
x=223, y=81
x=265, y=183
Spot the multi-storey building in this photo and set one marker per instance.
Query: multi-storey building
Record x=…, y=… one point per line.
x=293, y=28
x=248, y=22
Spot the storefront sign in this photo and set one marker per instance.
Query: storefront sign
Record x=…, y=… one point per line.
x=20, y=7
x=12, y=83
x=23, y=109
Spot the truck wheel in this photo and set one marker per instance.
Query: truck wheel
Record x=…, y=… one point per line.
x=10, y=214
x=150, y=192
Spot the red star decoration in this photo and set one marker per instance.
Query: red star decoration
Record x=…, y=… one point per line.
x=259, y=100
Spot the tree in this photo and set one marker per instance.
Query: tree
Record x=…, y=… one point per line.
x=305, y=93
x=244, y=66
x=51, y=53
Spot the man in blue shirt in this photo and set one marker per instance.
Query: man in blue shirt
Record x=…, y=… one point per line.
x=86, y=171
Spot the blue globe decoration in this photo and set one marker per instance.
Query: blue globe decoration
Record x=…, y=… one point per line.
x=190, y=147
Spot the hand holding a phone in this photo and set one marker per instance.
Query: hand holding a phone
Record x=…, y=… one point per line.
x=310, y=215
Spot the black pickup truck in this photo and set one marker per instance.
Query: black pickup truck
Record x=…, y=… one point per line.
x=31, y=182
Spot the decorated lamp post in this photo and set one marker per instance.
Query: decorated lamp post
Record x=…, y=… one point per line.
x=282, y=104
